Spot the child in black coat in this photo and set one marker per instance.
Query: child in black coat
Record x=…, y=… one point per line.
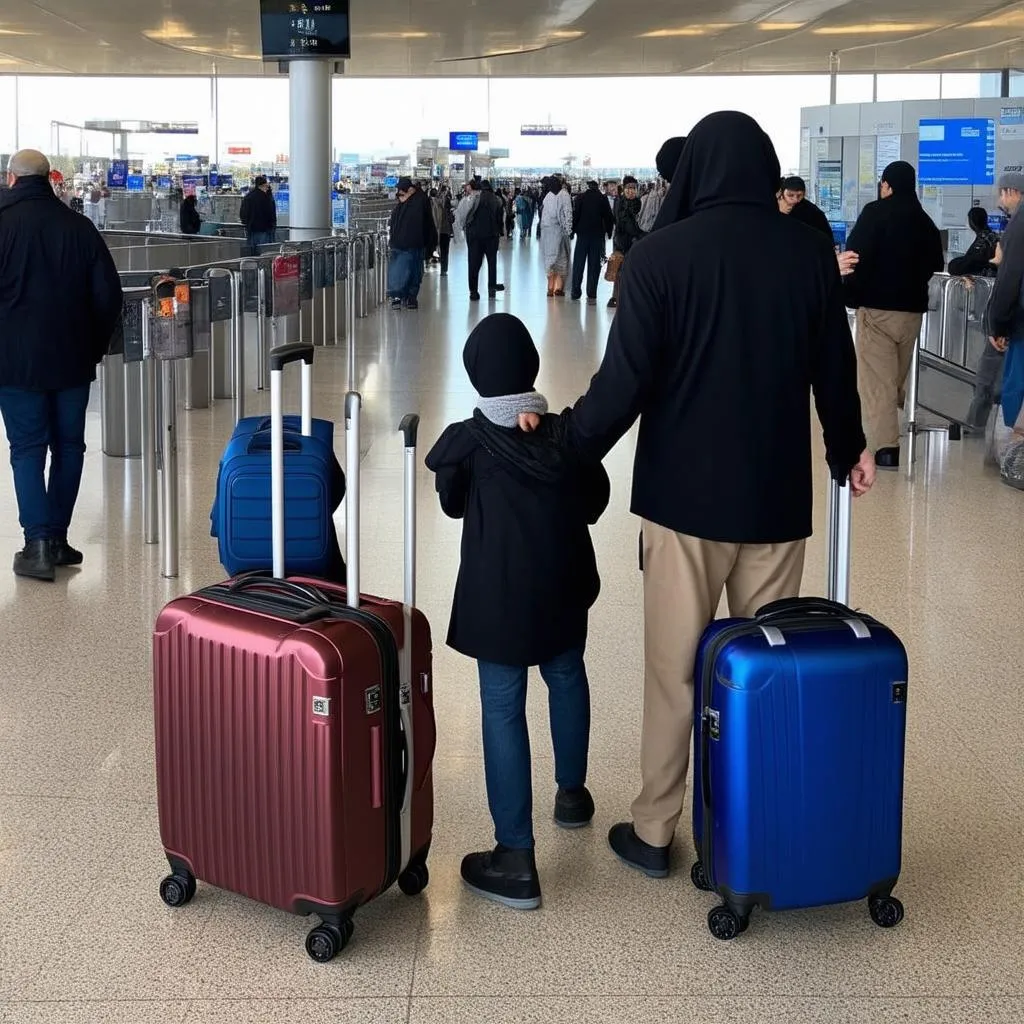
x=527, y=580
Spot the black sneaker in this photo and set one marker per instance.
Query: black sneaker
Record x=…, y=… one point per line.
x=499, y=287
x=412, y=304
x=887, y=458
x=474, y=296
x=492, y=295
x=396, y=303
x=35, y=561
x=505, y=876
x=591, y=300
x=574, y=808
x=635, y=853
x=63, y=553
x=612, y=303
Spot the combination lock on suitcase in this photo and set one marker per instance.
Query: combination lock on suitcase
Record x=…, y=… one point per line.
x=294, y=725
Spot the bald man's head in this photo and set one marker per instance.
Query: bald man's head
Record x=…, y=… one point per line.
x=27, y=163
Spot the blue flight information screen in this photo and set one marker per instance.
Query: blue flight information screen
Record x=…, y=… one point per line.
x=463, y=142
x=956, y=151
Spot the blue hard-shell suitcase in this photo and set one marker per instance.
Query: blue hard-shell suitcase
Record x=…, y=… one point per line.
x=799, y=737
x=314, y=486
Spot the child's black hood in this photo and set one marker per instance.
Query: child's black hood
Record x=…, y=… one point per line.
x=500, y=357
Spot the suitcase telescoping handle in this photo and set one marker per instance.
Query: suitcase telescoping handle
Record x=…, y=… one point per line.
x=280, y=357
x=409, y=427
x=840, y=528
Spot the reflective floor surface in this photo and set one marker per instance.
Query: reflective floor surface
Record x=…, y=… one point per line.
x=85, y=938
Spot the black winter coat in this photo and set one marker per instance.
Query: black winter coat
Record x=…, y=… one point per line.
x=813, y=216
x=487, y=221
x=412, y=223
x=627, y=224
x=977, y=261
x=528, y=574
x=258, y=211
x=900, y=248
x=592, y=215
x=189, y=220
x=60, y=293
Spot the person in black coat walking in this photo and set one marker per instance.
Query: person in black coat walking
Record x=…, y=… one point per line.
x=412, y=233
x=794, y=203
x=592, y=223
x=258, y=213
x=627, y=228
x=188, y=216
x=527, y=578
x=60, y=301
x=718, y=364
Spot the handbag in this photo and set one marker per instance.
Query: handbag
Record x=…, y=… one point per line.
x=611, y=271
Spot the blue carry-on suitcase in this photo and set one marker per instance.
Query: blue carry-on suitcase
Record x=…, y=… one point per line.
x=800, y=723
x=314, y=487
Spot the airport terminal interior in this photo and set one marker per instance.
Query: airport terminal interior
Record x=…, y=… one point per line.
x=936, y=555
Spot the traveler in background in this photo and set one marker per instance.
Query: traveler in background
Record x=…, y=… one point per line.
x=627, y=230
x=793, y=202
x=258, y=213
x=510, y=213
x=977, y=262
x=665, y=161
x=1006, y=307
x=899, y=249
x=719, y=365
x=412, y=234
x=483, y=225
x=524, y=214
x=60, y=302
x=188, y=216
x=444, y=224
x=556, y=221
x=527, y=579
x=592, y=223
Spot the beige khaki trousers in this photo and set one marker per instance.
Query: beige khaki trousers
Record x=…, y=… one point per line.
x=683, y=582
x=885, y=347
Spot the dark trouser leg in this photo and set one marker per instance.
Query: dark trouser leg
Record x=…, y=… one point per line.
x=476, y=259
x=444, y=247
x=569, y=712
x=595, y=250
x=26, y=419
x=987, y=387
x=579, y=262
x=491, y=251
x=67, y=455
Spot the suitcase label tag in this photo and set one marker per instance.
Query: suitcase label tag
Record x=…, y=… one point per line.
x=899, y=693
x=322, y=707
x=405, y=694
x=373, y=700
x=714, y=723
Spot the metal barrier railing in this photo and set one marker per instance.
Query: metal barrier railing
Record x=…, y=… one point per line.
x=183, y=334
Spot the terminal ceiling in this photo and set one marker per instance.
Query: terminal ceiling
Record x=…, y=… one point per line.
x=420, y=38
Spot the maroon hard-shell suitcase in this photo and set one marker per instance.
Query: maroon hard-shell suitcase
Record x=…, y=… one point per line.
x=295, y=727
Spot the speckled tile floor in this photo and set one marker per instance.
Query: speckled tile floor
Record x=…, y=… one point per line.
x=84, y=938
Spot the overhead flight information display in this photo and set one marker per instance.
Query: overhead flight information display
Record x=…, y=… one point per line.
x=956, y=151
x=294, y=29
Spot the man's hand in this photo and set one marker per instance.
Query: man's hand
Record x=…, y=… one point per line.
x=999, y=344
x=528, y=422
x=847, y=262
x=862, y=476
x=998, y=258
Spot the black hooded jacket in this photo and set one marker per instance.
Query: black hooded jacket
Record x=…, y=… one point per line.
x=899, y=247
x=60, y=293
x=718, y=359
x=813, y=216
x=592, y=216
x=528, y=574
x=412, y=223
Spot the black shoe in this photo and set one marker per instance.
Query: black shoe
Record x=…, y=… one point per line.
x=499, y=287
x=396, y=303
x=591, y=300
x=612, y=303
x=492, y=295
x=35, y=561
x=412, y=304
x=474, y=296
x=574, y=808
x=506, y=876
x=635, y=853
x=887, y=458
x=576, y=298
x=444, y=273
x=63, y=553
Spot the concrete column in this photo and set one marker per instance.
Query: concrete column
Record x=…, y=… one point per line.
x=309, y=90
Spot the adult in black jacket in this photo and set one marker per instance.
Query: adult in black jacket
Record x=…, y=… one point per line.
x=977, y=261
x=60, y=300
x=258, y=213
x=793, y=202
x=718, y=361
x=899, y=249
x=188, y=216
x=627, y=226
x=527, y=579
x=483, y=233
x=412, y=233
x=592, y=223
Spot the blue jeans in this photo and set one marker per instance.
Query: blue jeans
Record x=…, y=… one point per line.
x=37, y=422
x=507, y=741
x=258, y=238
x=405, y=273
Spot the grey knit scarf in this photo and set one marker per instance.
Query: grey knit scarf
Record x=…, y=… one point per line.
x=504, y=410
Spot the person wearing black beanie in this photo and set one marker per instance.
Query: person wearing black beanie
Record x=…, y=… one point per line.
x=527, y=579
x=899, y=248
x=793, y=202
